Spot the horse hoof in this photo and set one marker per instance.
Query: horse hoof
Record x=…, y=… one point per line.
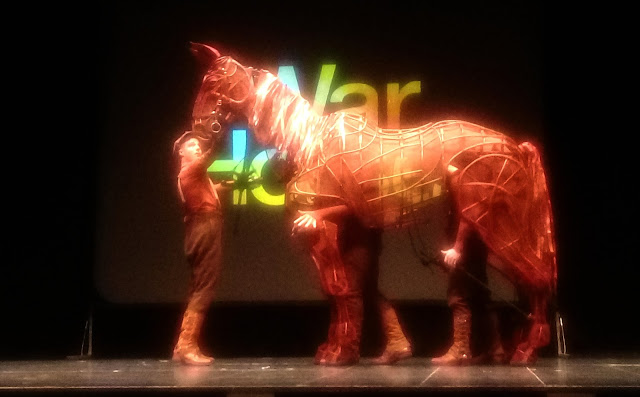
x=335, y=355
x=321, y=351
x=524, y=357
x=332, y=360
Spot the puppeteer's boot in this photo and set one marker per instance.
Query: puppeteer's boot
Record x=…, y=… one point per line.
x=186, y=350
x=397, y=346
x=460, y=351
x=494, y=352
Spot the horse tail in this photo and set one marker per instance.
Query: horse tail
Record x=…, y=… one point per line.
x=541, y=229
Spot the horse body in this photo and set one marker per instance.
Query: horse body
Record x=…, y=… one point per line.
x=387, y=177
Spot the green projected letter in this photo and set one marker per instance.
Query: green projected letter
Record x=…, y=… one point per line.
x=259, y=192
x=322, y=90
x=236, y=164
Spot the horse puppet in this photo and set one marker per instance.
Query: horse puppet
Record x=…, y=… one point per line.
x=345, y=165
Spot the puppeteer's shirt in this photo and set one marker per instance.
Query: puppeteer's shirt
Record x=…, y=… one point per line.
x=196, y=189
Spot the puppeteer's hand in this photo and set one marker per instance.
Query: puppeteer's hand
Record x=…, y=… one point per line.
x=254, y=179
x=306, y=222
x=451, y=257
x=227, y=183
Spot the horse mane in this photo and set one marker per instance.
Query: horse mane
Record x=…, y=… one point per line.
x=289, y=120
x=281, y=117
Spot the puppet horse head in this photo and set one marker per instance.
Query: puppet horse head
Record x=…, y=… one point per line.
x=226, y=91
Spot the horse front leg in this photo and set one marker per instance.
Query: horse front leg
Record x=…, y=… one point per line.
x=343, y=287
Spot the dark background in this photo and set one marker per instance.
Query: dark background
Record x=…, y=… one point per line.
x=107, y=73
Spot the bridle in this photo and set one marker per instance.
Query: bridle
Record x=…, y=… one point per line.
x=212, y=122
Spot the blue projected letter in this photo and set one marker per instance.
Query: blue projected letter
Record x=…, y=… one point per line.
x=236, y=164
x=288, y=76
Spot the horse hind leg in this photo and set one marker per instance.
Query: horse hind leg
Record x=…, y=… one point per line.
x=495, y=195
x=541, y=254
x=537, y=334
x=520, y=266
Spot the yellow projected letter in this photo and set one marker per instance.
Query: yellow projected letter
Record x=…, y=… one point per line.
x=395, y=96
x=370, y=106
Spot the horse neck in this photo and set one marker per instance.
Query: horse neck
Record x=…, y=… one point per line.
x=283, y=119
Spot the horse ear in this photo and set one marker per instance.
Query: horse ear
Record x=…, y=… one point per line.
x=206, y=54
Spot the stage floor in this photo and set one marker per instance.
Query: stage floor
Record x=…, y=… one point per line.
x=279, y=376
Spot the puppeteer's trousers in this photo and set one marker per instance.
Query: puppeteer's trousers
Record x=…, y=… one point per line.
x=203, y=250
x=468, y=296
